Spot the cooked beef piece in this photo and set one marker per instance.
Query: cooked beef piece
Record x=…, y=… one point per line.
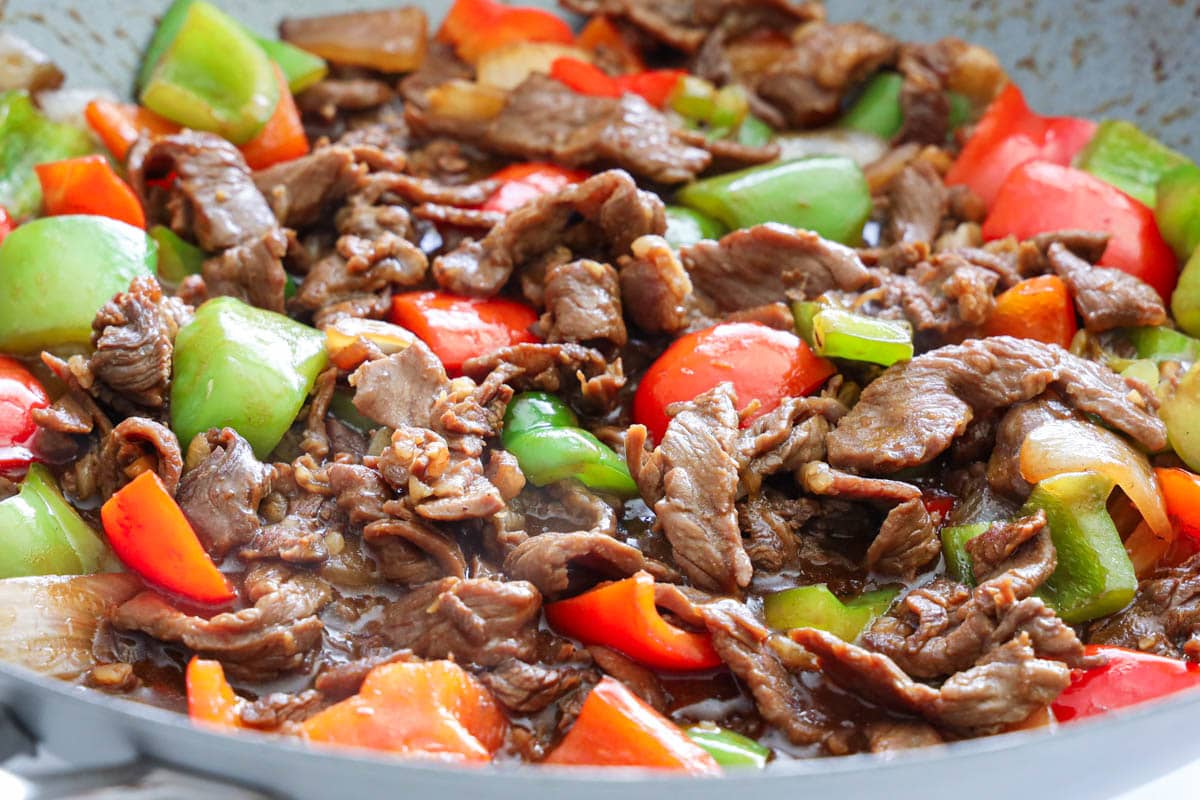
x=911, y=413
x=766, y=263
x=553, y=368
x=274, y=635
x=1086, y=244
x=473, y=218
x=923, y=101
x=436, y=545
x=821, y=479
x=360, y=492
x=326, y=98
x=785, y=439
x=278, y=709
x=729, y=155
x=599, y=217
x=129, y=445
x=583, y=304
x=641, y=681
x=398, y=391
x=1004, y=464
x=548, y=560
x=415, y=189
x=890, y=736
x=1107, y=298
x=691, y=480
x=342, y=680
x=1005, y=687
x=654, y=286
x=990, y=549
x=220, y=496
x=476, y=621
x=917, y=201
x=544, y=120
x=529, y=688
x=907, y=542
x=770, y=523
x=301, y=189
x=946, y=295
x=215, y=201
x=441, y=481
x=1164, y=617
x=402, y=563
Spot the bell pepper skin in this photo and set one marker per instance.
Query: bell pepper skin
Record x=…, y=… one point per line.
x=477, y=26
x=1185, y=300
x=1163, y=344
x=213, y=77
x=817, y=607
x=44, y=535
x=877, y=109
x=459, y=328
x=28, y=138
x=283, y=137
x=1134, y=162
x=176, y=258
x=1181, y=492
x=1009, y=135
x=654, y=86
x=56, y=273
x=245, y=368
x=20, y=394
x=1177, y=209
x=210, y=698
x=825, y=194
x=520, y=183
x=602, y=38
x=88, y=185
x=431, y=710
x=762, y=363
x=686, y=226
x=959, y=564
x=728, y=748
x=753, y=132
x=834, y=333
x=120, y=124
x=1036, y=308
x=1181, y=413
x=1039, y=197
x=622, y=615
x=1129, y=677
x=544, y=435
x=615, y=728
x=150, y=534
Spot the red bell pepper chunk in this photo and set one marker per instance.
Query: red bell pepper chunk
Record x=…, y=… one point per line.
x=1129, y=677
x=938, y=506
x=20, y=394
x=762, y=363
x=520, y=183
x=1181, y=493
x=615, y=728
x=622, y=615
x=602, y=38
x=1040, y=197
x=476, y=26
x=88, y=185
x=150, y=534
x=1038, y=308
x=283, y=137
x=1008, y=135
x=460, y=328
x=120, y=124
x=7, y=223
x=654, y=85
x=211, y=700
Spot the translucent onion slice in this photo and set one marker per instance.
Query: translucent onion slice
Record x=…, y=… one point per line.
x=507, y=67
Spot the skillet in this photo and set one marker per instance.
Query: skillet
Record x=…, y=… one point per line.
x=1098, y=59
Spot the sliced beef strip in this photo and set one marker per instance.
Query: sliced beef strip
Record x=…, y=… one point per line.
x=280, y=709
x=641, y=681
x=821, y=479
x=1004, y=463
x=554, y=368
x=1107, y=298
x=220, y=496
x=946, y=295
x=398, y=391
x=907, y=542
x=301, y=189
x=911, y=413
x=917, y=201
x=1164, y=617
x=766, y=263
x=990, y=549
x=442, y=482
x=339, y=681
x=125, y=449
x=890, y=736
x=547, y=560
x=785, y=438
x=436, y=545
x=476, y=621
x=583, y=304
x=529, y=688
x=655, y=288
x=273, y=636
x=327, y=97
x=770, y=523
x=599, y=217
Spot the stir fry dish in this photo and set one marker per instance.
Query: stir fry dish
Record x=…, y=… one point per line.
x=702, y=385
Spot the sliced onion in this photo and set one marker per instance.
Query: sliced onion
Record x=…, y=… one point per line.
x=346, y=350
x=507, y=67
x=23, y=66
x=49, y=623
x=1075, y=446
x=862, y=148
x=466, y=101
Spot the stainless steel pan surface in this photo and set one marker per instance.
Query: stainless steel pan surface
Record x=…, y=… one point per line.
x=1101, y=59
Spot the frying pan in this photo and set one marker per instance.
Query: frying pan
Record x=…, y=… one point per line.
x=1102, y=58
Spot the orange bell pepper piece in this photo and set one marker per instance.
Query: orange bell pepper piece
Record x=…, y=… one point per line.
x=622, y=615
x=476, y=26
x=119, y=125
x=211, y=700
x=654, y=86
x=431, y=709
x=149, y=533
x=283, y=137
x=88, y=185
x=1181, y=493
x=601, y=36
x=616, y=728
x=1038, y=308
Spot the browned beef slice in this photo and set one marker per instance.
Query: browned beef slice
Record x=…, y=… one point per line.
x=641, y=681
x=529, y=688
x=1164, y=617
x=273, y=711
x=1088, y=245
x=443, y=483
x=1107, y=298
x=1008, y=685
x=547, y=560
x=917, y=201
x=220, y=496
x=1004, y=464
x=770, y=522
x=300, y=189
x=421, y=536
x=258, y=643
x=553, y=368
x=413, y=189
x=891, y=735
x=331, y=95
x=128, y=445
x=252, y=271
x=583, y=304
x=654, y=286
x=763, y=264
x=600, y=217
x=946, y=294
x=398, y=391
x=342, y=680
x=821, y=479
x=911, y=413
x=476, y=621
x=907, y=542
x=691, y=479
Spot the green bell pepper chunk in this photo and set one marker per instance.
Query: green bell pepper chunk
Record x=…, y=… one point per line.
x=835, y=333
x=959, y=563
x=245, y=368
x=1121, y=154
x=342, y=407
x=877, y=109
x=28, y=138
x=686, y=226
x=1185, y=300
x=43, y=535
x=825, y=194
x=728, y=748
x=1144, y=370
x=1163, y=344
x=1181, y=413
x=817, y=607
x=176, y=258
x=56, y=273
x=692, y=98
x=544, y=435
x=213, y=77
x=1177, y=209
x=730, y=106
x=753, y=132
x=961, y=110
